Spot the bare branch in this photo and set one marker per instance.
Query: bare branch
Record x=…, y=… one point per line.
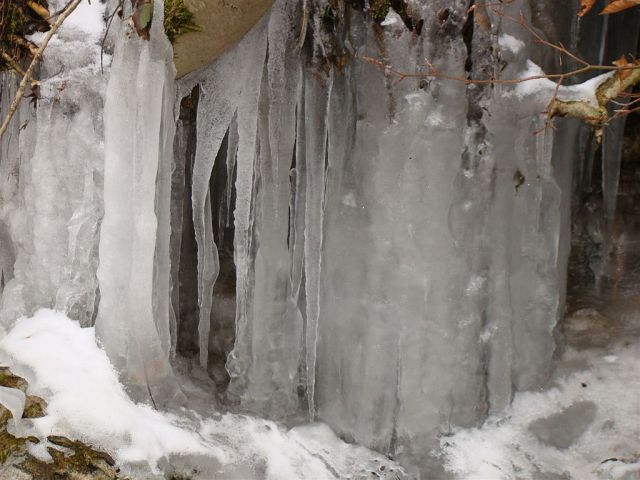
x=41, y=11
x=624, y=75
x=71, y=6
x=12, y=63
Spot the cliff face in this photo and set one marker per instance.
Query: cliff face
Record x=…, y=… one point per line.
x=327, y=242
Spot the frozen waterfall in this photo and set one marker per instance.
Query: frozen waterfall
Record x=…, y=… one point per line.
x=322, y=241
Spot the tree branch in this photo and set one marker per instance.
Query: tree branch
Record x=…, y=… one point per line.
x=71, y=6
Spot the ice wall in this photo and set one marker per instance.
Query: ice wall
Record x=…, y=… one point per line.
x=51, y=163
x=397, y=244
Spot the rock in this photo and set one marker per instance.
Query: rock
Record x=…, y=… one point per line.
x=222, y=23
x=71, y=460
x=562, y=429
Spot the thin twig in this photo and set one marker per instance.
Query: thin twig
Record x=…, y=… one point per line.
x=106, y=32
x=12, y=63
x=71, y=6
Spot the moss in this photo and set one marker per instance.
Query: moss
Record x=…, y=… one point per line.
x=379, y=9
x=78, y=461
x=18, y=19
x=178, y=20
x=34, y=407
x=9, y=380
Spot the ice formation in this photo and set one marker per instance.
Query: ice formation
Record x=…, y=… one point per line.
x=328, y=243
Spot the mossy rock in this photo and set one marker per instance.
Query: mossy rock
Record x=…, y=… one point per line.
x=178, y=19
x=73, y=460
x=220, y=25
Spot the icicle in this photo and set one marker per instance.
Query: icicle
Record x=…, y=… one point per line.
x=299, y=194
x=611, y=161
x=165, y=322
x=139, y=99
x=317, y=92
x=232, y=153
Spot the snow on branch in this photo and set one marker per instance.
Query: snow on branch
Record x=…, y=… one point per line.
x=587, y=101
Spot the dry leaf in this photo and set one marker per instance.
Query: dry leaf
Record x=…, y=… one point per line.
x=619, y=5
x=622, y=63
x=585, y=6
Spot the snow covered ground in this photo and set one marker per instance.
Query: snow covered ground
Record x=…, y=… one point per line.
x=585, y=425
x=63, y=364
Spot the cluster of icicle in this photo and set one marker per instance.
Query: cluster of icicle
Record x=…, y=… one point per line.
x=399, y=247
x=393, y=279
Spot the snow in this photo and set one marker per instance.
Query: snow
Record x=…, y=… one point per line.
x=88, y=17
x=546, y=87
x=392, y=18
x=64, y=364
x=510, y=43
x=593, y=401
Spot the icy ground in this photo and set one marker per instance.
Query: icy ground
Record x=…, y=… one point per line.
x=585, y=425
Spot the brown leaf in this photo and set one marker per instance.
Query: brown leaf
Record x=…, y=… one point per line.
x=585, y=6
x=619, y=5
x=622, y=63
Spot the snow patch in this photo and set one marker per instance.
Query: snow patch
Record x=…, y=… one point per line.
x=605, y=439
x=392, y=18
x=535, y=83
x=85, y=398
x=510, y=43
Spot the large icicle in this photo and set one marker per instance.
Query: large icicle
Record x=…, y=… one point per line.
x=317, y=93
x=276, y=337
x=229, y=85
x=139, y=99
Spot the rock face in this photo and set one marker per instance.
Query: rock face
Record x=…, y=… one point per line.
x=222, y=23
x=70, y=460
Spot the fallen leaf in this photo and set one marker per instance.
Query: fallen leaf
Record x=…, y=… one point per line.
x=622, y=63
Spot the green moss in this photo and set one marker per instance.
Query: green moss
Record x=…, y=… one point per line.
x=379, y=9
x=78, y=461
x=34, y=407
x=17, y=19
x=178, y=20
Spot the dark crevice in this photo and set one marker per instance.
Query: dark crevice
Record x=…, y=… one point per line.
x=187, y=311
x=223, y=311
x=467, y=36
